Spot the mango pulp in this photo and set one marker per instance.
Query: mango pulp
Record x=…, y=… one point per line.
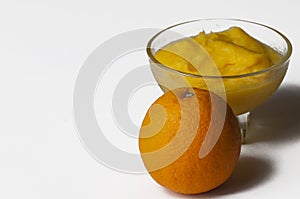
x=229, y=55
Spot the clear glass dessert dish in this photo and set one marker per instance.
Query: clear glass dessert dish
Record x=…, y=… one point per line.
x=243, y=92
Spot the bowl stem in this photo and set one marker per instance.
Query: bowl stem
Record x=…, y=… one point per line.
x=244, y=124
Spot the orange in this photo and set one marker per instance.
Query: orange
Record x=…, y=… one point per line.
x=190, y=141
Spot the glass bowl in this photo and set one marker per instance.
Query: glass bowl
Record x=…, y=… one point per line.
x=243, y=92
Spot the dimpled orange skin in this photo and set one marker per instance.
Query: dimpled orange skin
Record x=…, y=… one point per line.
x=190, y=174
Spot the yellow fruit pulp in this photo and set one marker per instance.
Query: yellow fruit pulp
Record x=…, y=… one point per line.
x=231, y=52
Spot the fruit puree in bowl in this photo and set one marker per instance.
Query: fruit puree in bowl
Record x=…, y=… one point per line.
x=250, y=69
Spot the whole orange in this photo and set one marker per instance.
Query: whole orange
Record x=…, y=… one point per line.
x=190, y=140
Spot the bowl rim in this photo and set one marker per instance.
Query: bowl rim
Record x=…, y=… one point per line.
x=279, y=64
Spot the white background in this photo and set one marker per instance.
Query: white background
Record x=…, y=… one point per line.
x=42, y=47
